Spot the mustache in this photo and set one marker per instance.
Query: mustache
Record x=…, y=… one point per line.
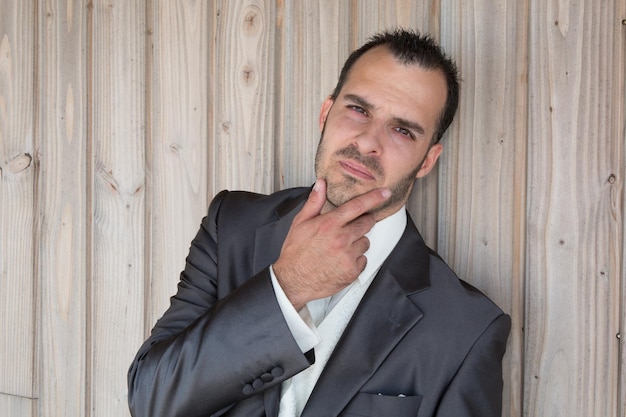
x=370, y=162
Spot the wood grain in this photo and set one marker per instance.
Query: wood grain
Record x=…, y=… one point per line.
x=574, y=268
x=116, y=295
x=617, y=183
x=13, y=406
x=177, y=141
x=482, y=171
x=63, y=236
x=63, y=267
x=244, y=132
x=18, y=176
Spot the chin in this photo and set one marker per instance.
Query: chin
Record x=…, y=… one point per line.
x=338, y=194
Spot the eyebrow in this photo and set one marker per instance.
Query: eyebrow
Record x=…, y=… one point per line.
x=368, y=106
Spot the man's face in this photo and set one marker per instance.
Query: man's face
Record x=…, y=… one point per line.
x=378, y=131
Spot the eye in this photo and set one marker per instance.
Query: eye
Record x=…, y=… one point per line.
x=405, y=132
x=358, y=109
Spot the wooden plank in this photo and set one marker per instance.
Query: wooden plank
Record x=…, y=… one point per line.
x=116, y=295
x=619, y=185
x=375, y=16
x=177, y=139
x=18, y=176
x=311, y=49
x=62, y=250
x=13, y=406
x=242, y=148
x=482, y=171
x=574, y=212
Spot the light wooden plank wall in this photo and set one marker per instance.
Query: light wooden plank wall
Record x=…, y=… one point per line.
x=575, y=208
x=482, y=182
x=63, y=237
x=18, y=204
x=119, y=120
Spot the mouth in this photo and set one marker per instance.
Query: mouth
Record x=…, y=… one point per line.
x=355, y=169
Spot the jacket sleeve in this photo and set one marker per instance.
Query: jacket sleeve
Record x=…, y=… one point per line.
x=205, y=353
x=476, y=389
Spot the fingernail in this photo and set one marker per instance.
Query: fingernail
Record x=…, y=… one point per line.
x=386, y=193
x=316, y=186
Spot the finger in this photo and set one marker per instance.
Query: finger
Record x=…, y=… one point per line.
x=361, y=225
x=361, y=262
x=314, y=204
x=361, y=245
x=362, y=204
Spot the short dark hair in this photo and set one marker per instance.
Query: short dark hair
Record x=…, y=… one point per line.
x=411, y=47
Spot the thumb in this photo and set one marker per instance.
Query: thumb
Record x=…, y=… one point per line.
x=315, y=202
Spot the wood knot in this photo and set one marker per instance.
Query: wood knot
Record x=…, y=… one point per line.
x=248, y=75
x=176, y=147
x=20, y=163
x=252, y=20
x=611, y=179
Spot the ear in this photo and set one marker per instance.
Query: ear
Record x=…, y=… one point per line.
x=429, y=161
x=326, y=105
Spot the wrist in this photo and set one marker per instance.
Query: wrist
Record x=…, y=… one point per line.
x=290, y=290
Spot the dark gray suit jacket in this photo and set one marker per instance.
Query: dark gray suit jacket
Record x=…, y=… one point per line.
x=421, y=342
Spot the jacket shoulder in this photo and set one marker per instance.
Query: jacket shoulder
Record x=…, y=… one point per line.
x=462, y=299
x=243, y=206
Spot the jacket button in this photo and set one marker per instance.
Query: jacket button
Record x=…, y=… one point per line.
x=278, y=371
x=247, y=389
x=267, y=377
x=257, y=384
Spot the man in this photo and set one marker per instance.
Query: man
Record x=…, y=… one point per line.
x=326, y=302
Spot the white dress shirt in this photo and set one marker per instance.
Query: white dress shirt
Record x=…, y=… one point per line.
x=310, y=327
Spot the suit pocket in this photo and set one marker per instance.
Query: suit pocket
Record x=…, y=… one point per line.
x=376, y=405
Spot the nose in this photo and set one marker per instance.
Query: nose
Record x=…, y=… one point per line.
x=370, y=140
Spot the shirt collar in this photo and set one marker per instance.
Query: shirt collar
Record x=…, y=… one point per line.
x=383, y=238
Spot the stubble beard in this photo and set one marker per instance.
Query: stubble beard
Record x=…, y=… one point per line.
x=339, y=191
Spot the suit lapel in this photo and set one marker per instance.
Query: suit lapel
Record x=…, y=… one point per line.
x=381, y=320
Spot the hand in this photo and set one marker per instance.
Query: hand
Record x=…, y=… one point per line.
x=323, y=253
